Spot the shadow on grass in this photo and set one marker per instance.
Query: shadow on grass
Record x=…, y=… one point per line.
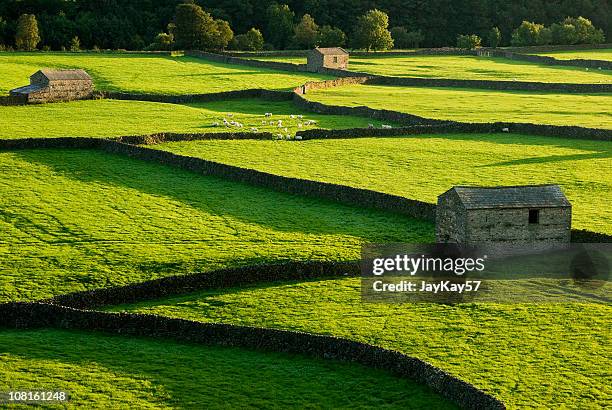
x=552, y=158
x=282, y=212
x=98, y=367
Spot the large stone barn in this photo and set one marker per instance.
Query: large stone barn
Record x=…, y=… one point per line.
x=530, y=214
x=332, y=57
x=56, y=85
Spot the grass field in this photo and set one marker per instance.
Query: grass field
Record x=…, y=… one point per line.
x=422, y=167
x=111, y=118
x=466, y=67
x=106, y=371
x=595, y=54
x=473, y=105
x=543, y=356
x=78, y=219
x=148, y=73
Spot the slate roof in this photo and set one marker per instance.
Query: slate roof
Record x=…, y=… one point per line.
x=331, y=51
x=60, y=75
x=523, y=196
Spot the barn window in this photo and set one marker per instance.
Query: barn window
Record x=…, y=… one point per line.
x=335, y=60
x=534, y=216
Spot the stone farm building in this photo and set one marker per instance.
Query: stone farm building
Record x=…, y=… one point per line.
x=532, y=214
x=332, y=57
x=49, y=85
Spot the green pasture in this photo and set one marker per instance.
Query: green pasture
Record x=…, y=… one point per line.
x=149, y=73
x=78, y=219
x=528, y=355
x=595, y=54
x=465, y=68
x=112, y=118
x=422, y=167
x=107, y=371
x=472, y=105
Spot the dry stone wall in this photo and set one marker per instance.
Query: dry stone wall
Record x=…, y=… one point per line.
x=40, y=315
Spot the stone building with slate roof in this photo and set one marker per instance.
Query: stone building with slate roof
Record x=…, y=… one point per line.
x=530, y=214
x=331, y=57
x=49, y=85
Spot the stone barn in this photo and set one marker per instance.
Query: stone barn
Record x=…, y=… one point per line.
x=56, y=85
x=532, y=214
x=332, y=57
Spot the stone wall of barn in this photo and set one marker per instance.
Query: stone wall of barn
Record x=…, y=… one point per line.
x=62, y=90
x=450, y=219
x=512, y=226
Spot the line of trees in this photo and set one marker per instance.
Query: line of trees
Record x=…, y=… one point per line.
x=266, y=24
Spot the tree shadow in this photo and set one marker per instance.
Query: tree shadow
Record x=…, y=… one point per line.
x=229, y=200
x=551, y=159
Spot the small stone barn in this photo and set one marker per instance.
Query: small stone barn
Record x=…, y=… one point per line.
x=533, y=214
x=332, y=57
x=56, y=85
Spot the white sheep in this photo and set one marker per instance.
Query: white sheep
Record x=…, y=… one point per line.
x=230, y=115
x=370, y=125
x=292, y=116
x=268, y=114
x=272, y=122
x=298, y=137
x=505, y=130
x=253, y=129
x=300, y=116
x=215, y=124
x=286, y=130
x=280, y=123
x=299, y=125
x=386, y=127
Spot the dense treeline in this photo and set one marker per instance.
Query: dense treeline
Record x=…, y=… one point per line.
x=134, y=24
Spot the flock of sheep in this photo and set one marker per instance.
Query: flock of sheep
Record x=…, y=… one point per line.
x=278, y=123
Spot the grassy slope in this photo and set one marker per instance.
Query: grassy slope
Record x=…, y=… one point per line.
x=466, y=67
x=105, y=371
x=527, y=355
x=595, y=54
x=148, y=73
x=75, y=220
x=472, y=105
x=425, y=166
x=108, y=118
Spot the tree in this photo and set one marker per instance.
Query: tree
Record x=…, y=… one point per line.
x=279, y=27
x=331, y=37
x=3, y=31
x=254, y=39
x=307, y=32
x=468, y=41
x=192, y=25
x=57, y=30
x=403, y=38
x=576, y=31
x=196, y=29
x=75, y=44
x=224, y=35
x=163, y=42
x=27, y=37
x=529, y=34
x=494, y=37
x=371, y=31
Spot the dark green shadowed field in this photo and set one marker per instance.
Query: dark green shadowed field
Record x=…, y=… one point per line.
x=102, y=371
